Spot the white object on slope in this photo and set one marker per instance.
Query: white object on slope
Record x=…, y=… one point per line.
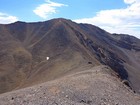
x=47, y=58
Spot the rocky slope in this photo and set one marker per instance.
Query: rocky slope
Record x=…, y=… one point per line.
x=71, y=48
x=96, y=86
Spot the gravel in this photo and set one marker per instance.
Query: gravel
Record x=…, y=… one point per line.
x=97, y=86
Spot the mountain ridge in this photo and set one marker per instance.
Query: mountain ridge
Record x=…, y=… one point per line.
x=71, y=47
x=95, y=86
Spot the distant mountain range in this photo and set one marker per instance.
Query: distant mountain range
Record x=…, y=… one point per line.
x=34, y=53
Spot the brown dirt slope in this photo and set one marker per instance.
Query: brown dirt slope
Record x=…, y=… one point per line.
x=71, y=47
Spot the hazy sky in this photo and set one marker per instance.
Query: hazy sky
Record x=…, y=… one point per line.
x=115, y=16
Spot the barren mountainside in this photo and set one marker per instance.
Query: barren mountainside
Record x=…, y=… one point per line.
x=70, y=47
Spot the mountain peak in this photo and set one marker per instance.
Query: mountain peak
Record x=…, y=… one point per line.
x=71, y=47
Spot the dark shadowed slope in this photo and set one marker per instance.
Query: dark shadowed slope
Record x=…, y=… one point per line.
x=71, y=47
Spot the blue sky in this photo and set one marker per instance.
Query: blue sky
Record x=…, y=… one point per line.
x=115, y=16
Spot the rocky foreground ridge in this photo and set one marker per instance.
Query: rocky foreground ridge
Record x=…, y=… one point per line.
x=97, y=86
